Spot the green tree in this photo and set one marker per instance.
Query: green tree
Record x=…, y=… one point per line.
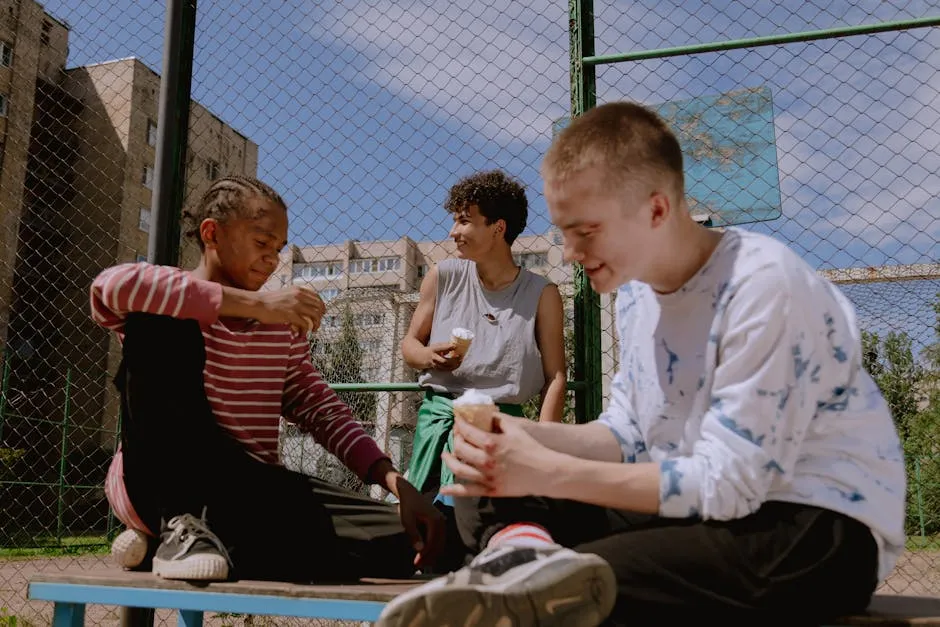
x=890, y=362
x=346, y=367
x=912, y=392
x=531, y=408
x=341, y=362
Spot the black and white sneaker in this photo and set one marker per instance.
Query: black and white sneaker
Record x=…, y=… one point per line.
x=512, y=587
x=189, y=550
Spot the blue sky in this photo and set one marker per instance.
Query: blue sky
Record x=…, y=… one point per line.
x=366, y=111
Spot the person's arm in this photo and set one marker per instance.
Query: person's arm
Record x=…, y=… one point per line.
x=594, y=440
x=312, y=405
x=145, y=288
x=168, y=291
x=414, y=346
x=763, y=398
x=550, y=337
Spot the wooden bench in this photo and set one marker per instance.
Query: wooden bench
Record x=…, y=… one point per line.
x=72, y=590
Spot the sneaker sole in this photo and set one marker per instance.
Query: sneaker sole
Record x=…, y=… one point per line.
x=569, y=593
x=199, y=567
x=129, y=548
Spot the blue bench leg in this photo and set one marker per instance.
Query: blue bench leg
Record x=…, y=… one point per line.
x=68, y=615
x=189, y=618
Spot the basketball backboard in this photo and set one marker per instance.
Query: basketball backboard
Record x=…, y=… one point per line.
x=729, y=144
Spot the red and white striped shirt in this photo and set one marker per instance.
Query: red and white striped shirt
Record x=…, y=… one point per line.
x=255, y=373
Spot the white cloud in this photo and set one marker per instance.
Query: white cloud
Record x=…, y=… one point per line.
x=855, y=117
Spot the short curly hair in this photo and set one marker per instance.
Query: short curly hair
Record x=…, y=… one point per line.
x=225, y=198
x=498, y=197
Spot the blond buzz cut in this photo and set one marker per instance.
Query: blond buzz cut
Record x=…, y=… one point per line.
x=630, y=142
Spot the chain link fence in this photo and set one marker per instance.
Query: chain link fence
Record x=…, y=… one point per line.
x=362, y=114
x=852, y=115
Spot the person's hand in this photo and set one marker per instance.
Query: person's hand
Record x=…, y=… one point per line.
x=442, y=356
x=417, y=515
x=300, y=307
x=507, y=462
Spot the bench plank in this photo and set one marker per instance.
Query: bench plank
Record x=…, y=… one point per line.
x=379, y=590
x=72, y=589
x=891, y=610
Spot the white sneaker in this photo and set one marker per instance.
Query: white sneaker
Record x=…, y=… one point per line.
x=512, y=587
x=129, y=548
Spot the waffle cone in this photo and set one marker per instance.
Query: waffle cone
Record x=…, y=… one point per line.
x=461, y=345
x=480, y=416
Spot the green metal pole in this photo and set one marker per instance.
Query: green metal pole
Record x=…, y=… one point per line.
x=755, y=42
x=587, y=324
x=64, y=449
x=920, y=500
x=4, y=384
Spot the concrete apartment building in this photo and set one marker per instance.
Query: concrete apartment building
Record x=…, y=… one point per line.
x=378, y=281
x=33, y=49
x=76, y=178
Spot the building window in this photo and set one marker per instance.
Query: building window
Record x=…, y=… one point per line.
x=212, y=169
x=422, y=270
x=151, y=132
x=370, y=319
x=370, y=346
x=44, y=35
x=318, y=270
x=6, y=54
x=531, y=260
x=4, y=105
x=375, y=264
x=143, y=221
x=147, y=178
x=328, y=294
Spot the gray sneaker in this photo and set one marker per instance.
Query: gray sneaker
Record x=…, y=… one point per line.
x=189, y=550
x=512, y=587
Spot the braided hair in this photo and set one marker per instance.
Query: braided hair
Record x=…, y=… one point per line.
x=224, y=198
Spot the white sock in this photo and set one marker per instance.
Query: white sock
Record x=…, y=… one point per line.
x=522, y=534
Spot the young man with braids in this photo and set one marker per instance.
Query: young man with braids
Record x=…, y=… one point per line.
x=210, y=365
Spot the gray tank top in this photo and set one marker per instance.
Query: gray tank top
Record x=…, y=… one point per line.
x=504, y=360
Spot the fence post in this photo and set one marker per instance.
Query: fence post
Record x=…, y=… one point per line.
x=63, y=451
x=920, y=500
x=587, y=320
x=4, y=384
x=172, y=131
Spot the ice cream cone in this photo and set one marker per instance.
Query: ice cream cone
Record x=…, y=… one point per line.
x=461, y=339
x=475, y=408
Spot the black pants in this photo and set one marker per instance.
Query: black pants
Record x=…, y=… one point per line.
x=785, y=564
x=277, y=524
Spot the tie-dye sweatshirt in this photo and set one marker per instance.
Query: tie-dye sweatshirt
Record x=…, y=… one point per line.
x=746, y=386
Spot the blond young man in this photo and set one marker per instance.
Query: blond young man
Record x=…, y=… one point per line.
x=747, y=466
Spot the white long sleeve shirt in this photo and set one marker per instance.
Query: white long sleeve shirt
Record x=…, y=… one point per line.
x=747, y=386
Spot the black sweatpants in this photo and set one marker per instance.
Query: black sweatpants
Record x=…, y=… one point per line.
x=785, y=564
x=277, y=524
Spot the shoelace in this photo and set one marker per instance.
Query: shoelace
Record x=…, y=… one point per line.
x=196, y=529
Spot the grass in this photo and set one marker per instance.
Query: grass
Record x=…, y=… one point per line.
x=52, y=547
x=11, y=620
x=923, y=543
